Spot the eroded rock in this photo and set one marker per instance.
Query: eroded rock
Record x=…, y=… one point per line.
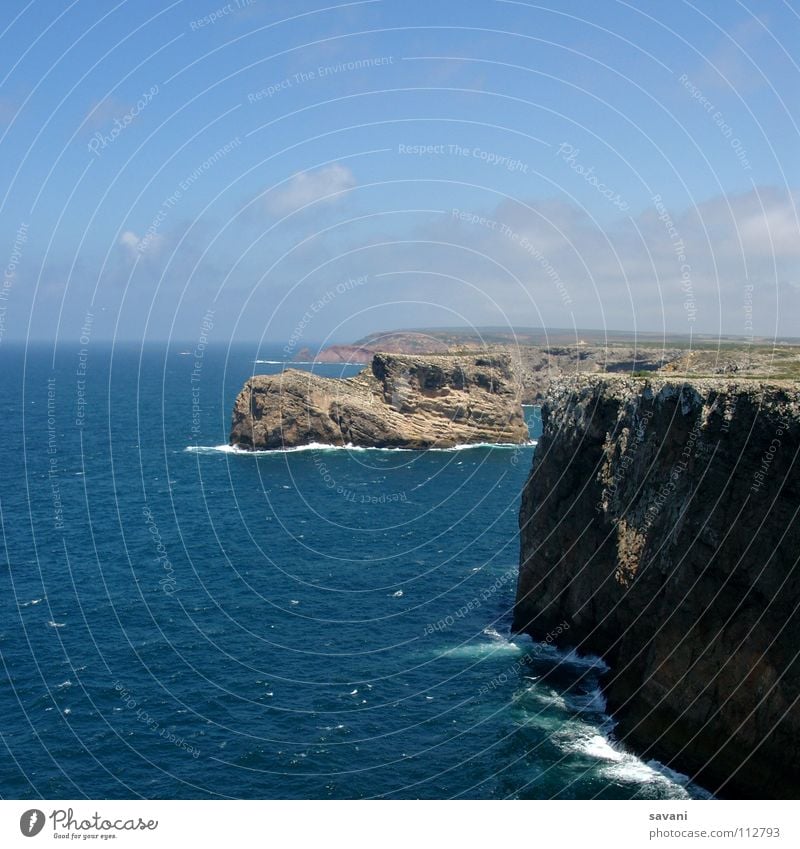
x=397, y=402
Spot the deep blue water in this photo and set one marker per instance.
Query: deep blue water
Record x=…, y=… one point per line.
x=321, y=623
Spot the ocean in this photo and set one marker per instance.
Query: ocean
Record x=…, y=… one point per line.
x=180, y=620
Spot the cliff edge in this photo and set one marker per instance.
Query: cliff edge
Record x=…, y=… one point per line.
x=397, y=402
x=660, y=520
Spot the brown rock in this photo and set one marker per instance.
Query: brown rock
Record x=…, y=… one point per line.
x=398, y=402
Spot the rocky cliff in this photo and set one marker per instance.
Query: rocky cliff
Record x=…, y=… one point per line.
x=539, y=366
x=661, y=521
x=397, y=402
x=534, y=365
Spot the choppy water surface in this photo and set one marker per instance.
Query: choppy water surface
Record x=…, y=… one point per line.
x=182, y=620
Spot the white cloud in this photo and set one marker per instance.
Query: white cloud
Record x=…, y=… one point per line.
x=327, y=184
x=772, y=229
x=151, y=242
x=130, y=240
x=691, y=276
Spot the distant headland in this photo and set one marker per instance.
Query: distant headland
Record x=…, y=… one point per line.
x=539, y=356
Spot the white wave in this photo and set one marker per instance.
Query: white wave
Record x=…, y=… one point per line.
x=214, y=449
x=616, y=764
x=679, y=778
x=493, y=634
x=482, y=649
x=469, y=445
x=588, y=660
x=673, y=775
x=56, y=624
x=570, y=656
x=592, y=702
x=630, y=769
x=478, y=650
x=322, y=446
x=582, y=738
x=64, y=684
x=598, y=746
x=550, y=698
x=592, y=705
x=234, y=449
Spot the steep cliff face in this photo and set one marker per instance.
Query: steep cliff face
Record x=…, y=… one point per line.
x=398, y=402
x=661, y=521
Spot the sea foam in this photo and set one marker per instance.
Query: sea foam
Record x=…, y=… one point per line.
x=321, y=446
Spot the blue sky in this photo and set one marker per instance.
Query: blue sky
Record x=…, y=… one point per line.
x=599, y=165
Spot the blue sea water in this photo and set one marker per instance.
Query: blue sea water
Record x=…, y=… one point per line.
x=182, y=621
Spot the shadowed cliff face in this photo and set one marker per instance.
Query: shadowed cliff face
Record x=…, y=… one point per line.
x=661, y=521
x=398, y=402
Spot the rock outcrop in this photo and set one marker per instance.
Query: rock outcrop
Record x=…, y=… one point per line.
x=541, y=357
x=535, y=365
x=539, y=366
x=397, y=402
x=661, y=521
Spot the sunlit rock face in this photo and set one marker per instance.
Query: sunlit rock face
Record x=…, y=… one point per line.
x=435, y=401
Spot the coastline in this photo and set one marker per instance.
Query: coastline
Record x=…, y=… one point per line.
x=649, y=523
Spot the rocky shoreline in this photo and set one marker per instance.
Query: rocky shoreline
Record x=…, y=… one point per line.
x=435, y=401
x=660, y=519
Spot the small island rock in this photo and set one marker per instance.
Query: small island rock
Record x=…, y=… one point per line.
x=399, y=401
